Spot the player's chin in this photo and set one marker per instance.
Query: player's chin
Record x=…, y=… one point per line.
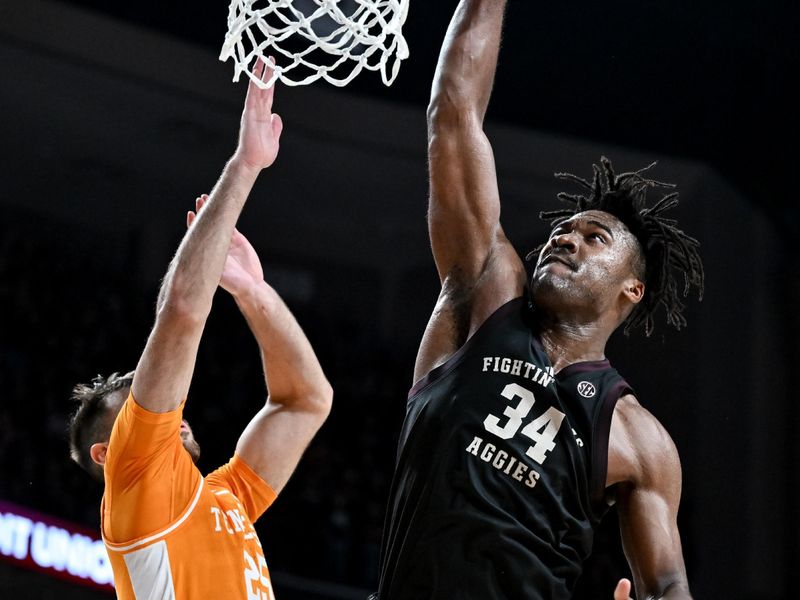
x=191, y=446
x=544, y=283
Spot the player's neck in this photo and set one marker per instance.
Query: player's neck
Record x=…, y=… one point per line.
x=566, y=343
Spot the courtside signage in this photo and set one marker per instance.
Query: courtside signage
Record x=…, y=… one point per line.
x=53, y=546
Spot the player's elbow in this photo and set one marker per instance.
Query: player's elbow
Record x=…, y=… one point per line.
x=673, y=586
x=448, y=111
x=179, y=311
x=313, y=399
x=321, y=399
x=676, y=589
x=178, y=301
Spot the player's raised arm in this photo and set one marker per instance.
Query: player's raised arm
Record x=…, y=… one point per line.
x=165, y=368
x=644, y=460
x=478, y=268
x=464, y=214
x=299, y=393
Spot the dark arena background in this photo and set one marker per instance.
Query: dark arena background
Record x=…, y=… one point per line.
x=115, y=116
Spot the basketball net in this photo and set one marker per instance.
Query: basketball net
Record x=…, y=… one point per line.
x=313, y=39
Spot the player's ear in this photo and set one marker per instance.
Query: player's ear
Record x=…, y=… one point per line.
x=633, y=289
x=98, y=452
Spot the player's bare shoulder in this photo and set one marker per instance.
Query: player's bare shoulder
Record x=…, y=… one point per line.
x=640, y=451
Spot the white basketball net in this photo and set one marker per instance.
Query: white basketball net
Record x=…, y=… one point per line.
x=312, y=39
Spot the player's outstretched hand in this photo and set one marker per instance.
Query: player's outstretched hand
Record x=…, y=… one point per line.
x=623, y=591
x=242, y=269
x=260, y=129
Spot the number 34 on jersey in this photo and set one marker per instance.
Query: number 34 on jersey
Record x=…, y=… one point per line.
x=542, y=431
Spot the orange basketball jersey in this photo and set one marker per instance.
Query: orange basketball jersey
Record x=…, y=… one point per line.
x=172, y=533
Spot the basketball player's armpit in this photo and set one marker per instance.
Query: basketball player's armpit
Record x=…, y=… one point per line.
x=473, y=292
x=455, y=302
x=465, y=302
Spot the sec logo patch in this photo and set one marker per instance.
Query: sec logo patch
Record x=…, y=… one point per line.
x=586, y=389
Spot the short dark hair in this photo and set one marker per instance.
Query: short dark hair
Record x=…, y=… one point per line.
x=89, y=423
x=666, y=248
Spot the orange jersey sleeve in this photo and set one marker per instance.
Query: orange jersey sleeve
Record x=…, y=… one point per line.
x=237, y=477
x=171, y=533
x=150, y=478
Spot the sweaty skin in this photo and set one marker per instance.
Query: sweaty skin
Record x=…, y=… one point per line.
x=584, y=286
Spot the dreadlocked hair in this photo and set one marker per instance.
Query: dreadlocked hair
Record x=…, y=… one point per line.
x=90, y=423
x=667, y=250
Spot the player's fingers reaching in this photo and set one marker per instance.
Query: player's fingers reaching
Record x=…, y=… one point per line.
x=623, y=591
x=258, y=135
x=277, y=126
x=198, y=204
x=252, y=88
x=266, y=75
x=260, y=99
